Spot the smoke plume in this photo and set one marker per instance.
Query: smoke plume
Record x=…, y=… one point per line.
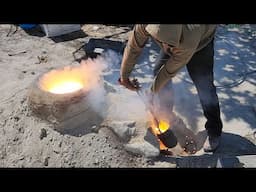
x=124, y=104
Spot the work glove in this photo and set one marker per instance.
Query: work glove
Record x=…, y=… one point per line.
x=132, y=85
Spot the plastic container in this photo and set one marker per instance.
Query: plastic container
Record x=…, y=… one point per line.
x=27, y=26
x=52, y=30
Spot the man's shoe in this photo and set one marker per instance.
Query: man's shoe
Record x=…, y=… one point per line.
x=212, y=143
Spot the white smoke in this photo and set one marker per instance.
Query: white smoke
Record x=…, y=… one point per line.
x=94, y=70
x=124, y=104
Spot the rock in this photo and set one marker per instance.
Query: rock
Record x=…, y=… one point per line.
x=96, y=162
x=56, y=151
x=143, y=148
x=94, y=128
x=131, y=131
x=46, y=161
x=21, y=130
x=21, y=157
x=3, y=152
x=15, y=139
x=16, y=118
x=123, y=129
x=145, y=144
x=43, y=134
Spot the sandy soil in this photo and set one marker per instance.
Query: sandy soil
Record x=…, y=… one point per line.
x=27, y=141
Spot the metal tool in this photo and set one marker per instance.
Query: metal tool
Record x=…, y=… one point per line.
x=142, y=95
x=168, y=138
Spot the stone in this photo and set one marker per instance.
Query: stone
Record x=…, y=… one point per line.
x=46, y=161
x=94, y=128
x=96, y=162
x=143, y=148
x=123, y=129
x=16, y=118
x=144, y=143
x=43, y=134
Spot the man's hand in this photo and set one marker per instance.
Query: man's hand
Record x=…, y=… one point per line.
x=132, y=85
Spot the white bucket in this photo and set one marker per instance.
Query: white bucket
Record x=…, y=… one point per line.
x=52, y=30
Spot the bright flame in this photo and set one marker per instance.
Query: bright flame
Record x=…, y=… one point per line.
x=66, y=80
x=163, y=126
x=65, y=87
x=158, y=129
x=86, y=76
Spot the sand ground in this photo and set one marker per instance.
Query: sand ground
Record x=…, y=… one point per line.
x=20, y=64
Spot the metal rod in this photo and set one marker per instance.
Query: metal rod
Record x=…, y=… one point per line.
x=139, y=92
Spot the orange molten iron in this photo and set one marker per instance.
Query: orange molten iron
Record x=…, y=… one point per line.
x=166, y=137
x=63, y=81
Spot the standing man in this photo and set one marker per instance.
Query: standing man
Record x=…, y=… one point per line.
x=190, y=45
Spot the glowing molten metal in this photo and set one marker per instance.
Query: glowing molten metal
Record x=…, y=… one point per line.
x=63, y=81
x=65, y=87
x=162, y=127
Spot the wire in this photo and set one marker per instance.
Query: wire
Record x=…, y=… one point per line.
x=243, y=75
x=229, y=85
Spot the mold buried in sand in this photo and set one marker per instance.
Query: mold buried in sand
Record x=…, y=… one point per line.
x=61, y=97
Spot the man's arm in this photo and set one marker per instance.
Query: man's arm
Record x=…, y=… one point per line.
x=178, y=60
x=133, y=49
x=180, y=56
